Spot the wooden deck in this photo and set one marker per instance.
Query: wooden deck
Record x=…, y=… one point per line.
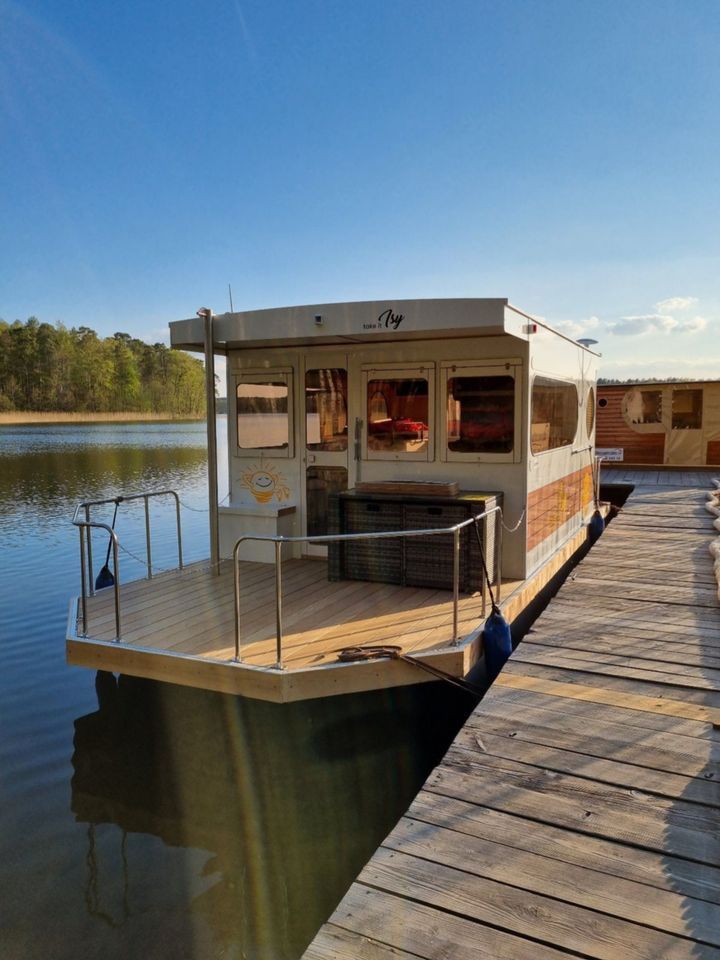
x=180, y=627
x=576, y=813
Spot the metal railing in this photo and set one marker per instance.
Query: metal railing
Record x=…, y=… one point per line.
x=279, y=541
x=81, y=519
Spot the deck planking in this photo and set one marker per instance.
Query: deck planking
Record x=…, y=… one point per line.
x=179, y=627
x=578, y=810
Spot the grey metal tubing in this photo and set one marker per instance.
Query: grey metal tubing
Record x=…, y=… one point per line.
x=83, y=586
x=207, y=316
x=179, y=529
x=456, y=582
x=278, y=601
x=83, y=526
x=86, y=526
x=139, y=496
x=148, y=551
x=342, y=537
x=91, y=579
x=498, y=556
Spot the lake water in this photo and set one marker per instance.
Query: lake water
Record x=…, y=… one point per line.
x=153, y=821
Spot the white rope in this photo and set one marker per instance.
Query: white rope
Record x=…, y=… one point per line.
x=202, y=509
x=143, y=562
x=512, y=529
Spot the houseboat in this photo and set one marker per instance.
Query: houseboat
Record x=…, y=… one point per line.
x=662, y=423
x=388, y=462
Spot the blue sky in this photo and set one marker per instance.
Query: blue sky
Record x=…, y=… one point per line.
x=561, y=153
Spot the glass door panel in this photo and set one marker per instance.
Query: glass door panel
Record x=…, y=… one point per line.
x=320, y=482
x=327, y=446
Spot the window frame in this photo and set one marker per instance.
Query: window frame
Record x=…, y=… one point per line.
x=511, y=367
x=563, y=382
x=591, y=404
x=683, y=388
x=277, y=375
x=393, y=371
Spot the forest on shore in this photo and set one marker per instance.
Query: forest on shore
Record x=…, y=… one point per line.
x=56, y=369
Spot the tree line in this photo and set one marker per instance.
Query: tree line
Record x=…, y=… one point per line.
x=56, y=369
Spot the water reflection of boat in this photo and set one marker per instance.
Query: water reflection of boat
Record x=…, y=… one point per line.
x=276, y=808
x=481, y=416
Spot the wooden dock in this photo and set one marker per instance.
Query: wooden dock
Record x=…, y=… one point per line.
x=576, y=813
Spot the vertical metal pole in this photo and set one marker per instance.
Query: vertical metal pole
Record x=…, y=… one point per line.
x=83, y=592
x=483, y=578
x=498, y=554
x=456, y=583
x=147, y=537
x=116, y=565
x=236, y=576
x=179, y=531
x=91, y=579
x=211, y=438
x=278, y=601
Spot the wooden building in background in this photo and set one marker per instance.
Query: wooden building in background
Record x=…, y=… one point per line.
x=673, y=424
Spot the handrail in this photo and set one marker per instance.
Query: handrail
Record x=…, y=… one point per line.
x=279, y=540
x=85, y=526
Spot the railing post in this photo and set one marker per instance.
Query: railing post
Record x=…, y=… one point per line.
x=483, y=578
x=179, y=530
x=83, y=591
x=498, y=554
x=91, y=580
x=148, y=550
x=278, y=601
x=236, y=582
x=116, y=564
x=456, y=582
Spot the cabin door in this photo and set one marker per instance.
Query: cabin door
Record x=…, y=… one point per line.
x=327, y=444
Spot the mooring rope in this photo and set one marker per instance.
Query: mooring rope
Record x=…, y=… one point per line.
x=393, y=652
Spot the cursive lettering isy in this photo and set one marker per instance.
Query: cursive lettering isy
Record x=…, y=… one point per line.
x=389, y=319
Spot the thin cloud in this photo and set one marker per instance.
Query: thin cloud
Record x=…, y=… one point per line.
x=576, y=328
x=642, y=325
x=675, y=303
x=693, y=326
x=655, y=323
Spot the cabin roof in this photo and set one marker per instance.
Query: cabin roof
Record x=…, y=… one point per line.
x=358, y=322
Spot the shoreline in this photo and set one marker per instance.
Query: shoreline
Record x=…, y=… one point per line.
x=23, y=417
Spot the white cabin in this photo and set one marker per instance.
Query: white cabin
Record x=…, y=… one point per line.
x=472, y=391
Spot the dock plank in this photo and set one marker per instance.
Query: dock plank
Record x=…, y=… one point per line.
x=579, y=807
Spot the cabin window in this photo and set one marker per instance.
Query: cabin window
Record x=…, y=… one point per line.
x=326, y=409
x=481, y=414
x=642, y=406
x=554, y=414
x=398, y=414
x=687, y=409
x=590, y=413
x=264, y=409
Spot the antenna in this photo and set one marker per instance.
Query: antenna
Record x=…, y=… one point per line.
x=230, y=295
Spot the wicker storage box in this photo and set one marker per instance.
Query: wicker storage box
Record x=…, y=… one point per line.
x=416, y=561
x=376, y=560
x=429, y=560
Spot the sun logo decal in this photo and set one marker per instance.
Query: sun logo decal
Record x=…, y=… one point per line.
x=264, y=483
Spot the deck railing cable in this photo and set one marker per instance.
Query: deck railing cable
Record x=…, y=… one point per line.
x=279, y=541
x=85, y=525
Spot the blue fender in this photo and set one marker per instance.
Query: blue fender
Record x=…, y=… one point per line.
x=497, y=643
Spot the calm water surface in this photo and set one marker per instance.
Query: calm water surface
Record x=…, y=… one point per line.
x=147, y=820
